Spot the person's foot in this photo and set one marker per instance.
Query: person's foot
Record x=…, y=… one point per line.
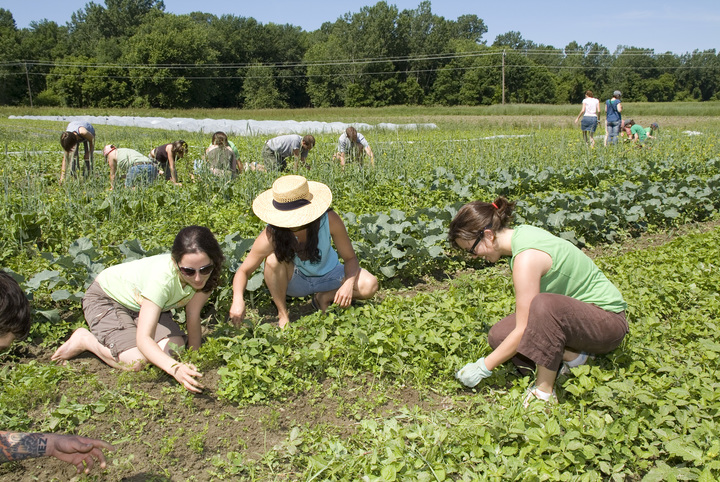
x=534, y=393
x=78, y=342
x=322, y=302
x=566, y=366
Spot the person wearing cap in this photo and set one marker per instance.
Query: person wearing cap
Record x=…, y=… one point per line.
x=565, y=307
x=296, y=248
x=613, y=118
x=76, y=132
x=651, y=131
x=82, y=452
x=128, y=308
x=277, y=150
x=136, y=165
x=589, y=113
x=353, y=143
x=166, y=156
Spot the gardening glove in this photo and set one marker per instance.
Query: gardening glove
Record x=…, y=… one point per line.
x=471, y=374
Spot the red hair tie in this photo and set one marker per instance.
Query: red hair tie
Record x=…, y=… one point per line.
x=495, y=206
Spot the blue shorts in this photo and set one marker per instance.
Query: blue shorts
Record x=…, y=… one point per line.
x=303, y=285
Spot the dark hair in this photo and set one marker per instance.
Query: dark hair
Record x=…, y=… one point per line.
x=219, y=139
x=475, y=217
x=179, y=147
x=68, y=140
x=588, y=93
x=286, y=246
x=309, y=141
x=14, y=308
x=629, y=122
x=199, y=239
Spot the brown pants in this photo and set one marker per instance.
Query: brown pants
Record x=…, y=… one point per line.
x=557, y=322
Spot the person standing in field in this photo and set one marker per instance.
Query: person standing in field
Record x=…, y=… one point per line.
x=353, y=144
x=82, y=452
x=167, y=155
x=565, y=307
x=589, y=113
x=138, y=169
x=276, y=151
x=296, y=247
x=76, y=132
x=613, y=118
x=127, y=308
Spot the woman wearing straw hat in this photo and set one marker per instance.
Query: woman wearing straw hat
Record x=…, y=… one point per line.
x=296, y=248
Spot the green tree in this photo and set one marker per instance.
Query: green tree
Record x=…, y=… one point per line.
x=259, y=90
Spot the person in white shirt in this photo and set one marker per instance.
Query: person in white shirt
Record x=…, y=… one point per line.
x=589, y=113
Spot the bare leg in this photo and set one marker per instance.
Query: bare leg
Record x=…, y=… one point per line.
x=545, y=379
x=277, y=277
x=82, y=340
x=366, y=285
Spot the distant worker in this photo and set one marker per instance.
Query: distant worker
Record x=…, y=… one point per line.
x=82, y=452
x=220, y=157
x=353, y=143
x=613, y=118
x=651, y=131
x=635, y=132
x=276, y=151
x=166, y=157
x=589, y=113
x=136, y=167
x=76, y=132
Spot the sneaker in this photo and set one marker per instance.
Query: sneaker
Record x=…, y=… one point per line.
x=533, y=393
x=581, y=359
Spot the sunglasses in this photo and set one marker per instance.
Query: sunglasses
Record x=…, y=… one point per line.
x=190, y=272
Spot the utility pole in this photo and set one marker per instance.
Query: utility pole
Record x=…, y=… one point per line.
x=503, y=77
x=27, y=77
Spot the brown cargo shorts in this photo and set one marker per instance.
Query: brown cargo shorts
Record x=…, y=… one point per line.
x=115, y=326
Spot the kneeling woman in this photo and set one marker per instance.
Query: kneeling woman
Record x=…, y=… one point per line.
x=128, y=307
x=296, y=248
x=565, y=306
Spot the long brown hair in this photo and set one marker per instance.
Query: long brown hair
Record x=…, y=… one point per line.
x=199, y=239
x=475, y=217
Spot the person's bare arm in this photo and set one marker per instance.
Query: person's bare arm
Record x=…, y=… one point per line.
x=261, y=249
x=344, y=294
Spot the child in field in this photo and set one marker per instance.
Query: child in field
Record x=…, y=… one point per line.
x=76, y=132
x=128, y=307
x=82, y=452
x=565, y=306
x=167, y=155
x=635, y=132
x=296, y=247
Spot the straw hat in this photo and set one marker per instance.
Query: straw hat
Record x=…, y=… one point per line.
x=292, y=202
x=108, y=149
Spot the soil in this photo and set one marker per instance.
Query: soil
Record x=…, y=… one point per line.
x=173, y=435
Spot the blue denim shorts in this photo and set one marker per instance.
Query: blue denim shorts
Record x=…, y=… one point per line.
x=302, y=285
x=589, y=123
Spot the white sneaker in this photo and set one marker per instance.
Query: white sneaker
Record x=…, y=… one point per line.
x=534, y=393
x=581, y=359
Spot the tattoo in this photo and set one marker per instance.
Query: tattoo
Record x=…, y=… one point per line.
x=18, y=446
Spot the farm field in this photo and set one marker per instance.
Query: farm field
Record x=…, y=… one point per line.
x=368, y=393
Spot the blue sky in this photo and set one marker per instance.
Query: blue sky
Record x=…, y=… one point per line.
x=662, y=25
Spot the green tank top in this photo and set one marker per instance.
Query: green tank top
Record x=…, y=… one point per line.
x=572, y=273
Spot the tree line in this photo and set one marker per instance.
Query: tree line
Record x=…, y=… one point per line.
x=131, y=53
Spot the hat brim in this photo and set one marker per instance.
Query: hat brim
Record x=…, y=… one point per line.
x=319, y=203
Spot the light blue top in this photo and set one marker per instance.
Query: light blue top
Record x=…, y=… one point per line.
x=328, y=256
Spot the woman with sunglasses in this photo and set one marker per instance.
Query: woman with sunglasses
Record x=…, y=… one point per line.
x=565, y=306
x=128, y=307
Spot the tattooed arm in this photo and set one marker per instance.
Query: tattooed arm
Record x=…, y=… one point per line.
x=82, y=452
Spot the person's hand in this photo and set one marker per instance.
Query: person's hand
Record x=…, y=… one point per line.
x=185, y=374
x=237, y=312
x=82, y=452
x=344, y=294
x=471, y=374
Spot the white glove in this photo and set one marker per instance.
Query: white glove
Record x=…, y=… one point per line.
x=471, y=374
